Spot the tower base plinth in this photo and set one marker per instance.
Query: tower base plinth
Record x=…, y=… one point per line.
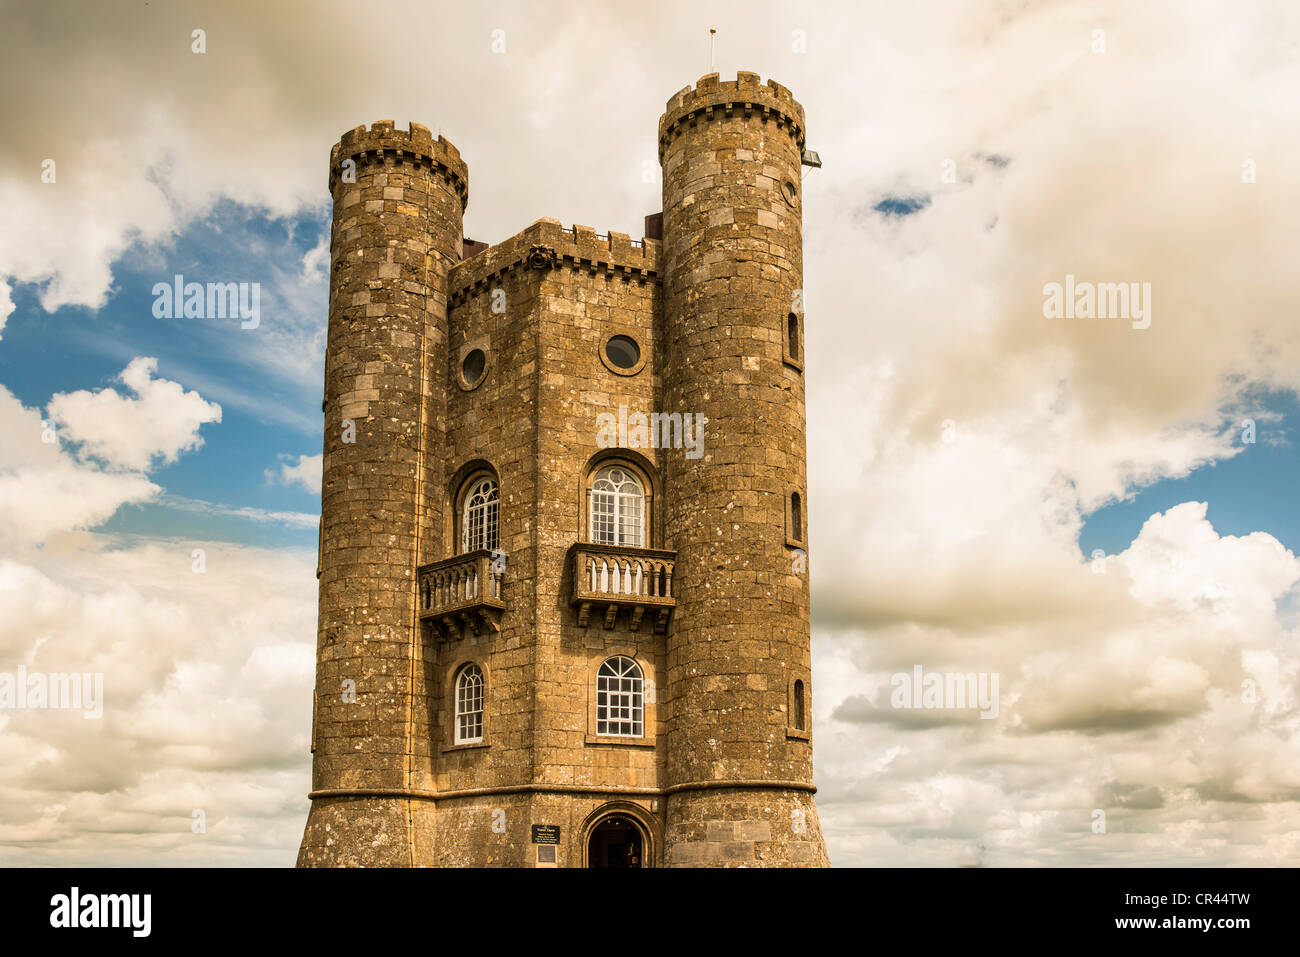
x=368, y=831
x=743, y=827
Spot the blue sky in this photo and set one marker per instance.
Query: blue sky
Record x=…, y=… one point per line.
x=1256, y=490
x=268, y=410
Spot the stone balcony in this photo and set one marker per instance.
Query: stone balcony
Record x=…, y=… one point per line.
x=462, y=594
x=615, y=578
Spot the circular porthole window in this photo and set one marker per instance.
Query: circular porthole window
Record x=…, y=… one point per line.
x=790, y=192
x=472, y=367
x=623, y=351
x=622, y=355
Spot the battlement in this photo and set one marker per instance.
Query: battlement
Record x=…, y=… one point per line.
x=746, y=95
x=547, y=244
x=415, y=145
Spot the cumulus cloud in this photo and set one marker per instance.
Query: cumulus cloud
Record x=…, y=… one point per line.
x=44, y=490
x=207, y=704
x=1174, y=695
x=159, y=423
x=946, y=532
x=304, y=470
x=139, y=161
x=206, y=672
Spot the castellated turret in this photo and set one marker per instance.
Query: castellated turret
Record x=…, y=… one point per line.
x=398, y=201
x=739, y=750
x=564, y=614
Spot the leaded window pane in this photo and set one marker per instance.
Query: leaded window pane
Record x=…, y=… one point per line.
x=617, y=507
x=620, y=699
x=481, y=517
x=469, y=705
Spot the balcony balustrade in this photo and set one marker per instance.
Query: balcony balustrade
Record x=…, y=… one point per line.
x=615, y=577
x=462, y=593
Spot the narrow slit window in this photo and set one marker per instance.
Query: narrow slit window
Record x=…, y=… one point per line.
x=792, y=334
x=796, y=517
x=797, y=707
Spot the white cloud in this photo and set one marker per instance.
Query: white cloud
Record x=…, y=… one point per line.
x=207, y=704
x=265, y=516
x=206, y=676
x=305, y=470
x=162, y=420
x=44, y=490
x=6, y=304
x=316, y=261
x=1134, y=705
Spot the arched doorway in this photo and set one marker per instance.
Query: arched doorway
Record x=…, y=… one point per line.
x=616, y=841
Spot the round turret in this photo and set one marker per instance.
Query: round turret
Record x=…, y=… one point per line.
x=398, y=196
x=739, y=756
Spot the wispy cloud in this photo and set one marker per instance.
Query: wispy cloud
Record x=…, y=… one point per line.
x=248, y=513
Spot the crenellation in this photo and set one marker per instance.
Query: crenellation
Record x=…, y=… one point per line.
x=743, y=97
x=580, y=247
x=391, y=150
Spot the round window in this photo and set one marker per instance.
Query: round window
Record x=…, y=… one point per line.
x=472, y=368
x=789, y=191
x=623, y=352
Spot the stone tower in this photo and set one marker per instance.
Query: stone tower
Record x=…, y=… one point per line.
x=564, y=614
x=398, y=201
x=733, y=320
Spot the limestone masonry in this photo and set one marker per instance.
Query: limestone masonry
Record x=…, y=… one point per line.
x=564, y=606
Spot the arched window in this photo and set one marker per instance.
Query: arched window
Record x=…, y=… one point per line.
x=617, y=508
x=796, y=516
x=469, y=705
x=480, y=515
x=620, y=699
x=797, y=706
